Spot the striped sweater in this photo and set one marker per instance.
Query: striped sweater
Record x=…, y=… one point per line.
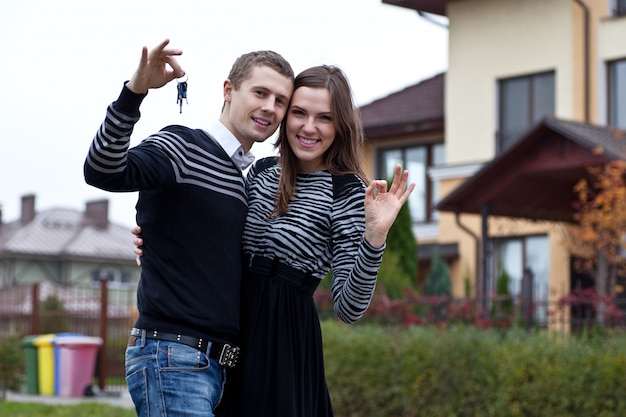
x=322, y=230
x=191, y=208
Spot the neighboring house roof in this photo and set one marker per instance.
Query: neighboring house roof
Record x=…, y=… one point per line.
x=416, y=108
x=65, y=233
x=535, y=178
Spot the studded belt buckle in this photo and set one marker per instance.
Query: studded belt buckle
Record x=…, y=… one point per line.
x=229, y=355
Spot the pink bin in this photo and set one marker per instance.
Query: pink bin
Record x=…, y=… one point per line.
x=77, y=363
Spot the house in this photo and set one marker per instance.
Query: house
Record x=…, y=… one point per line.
x=66, y=247
x=533, y=88
x=408, y=127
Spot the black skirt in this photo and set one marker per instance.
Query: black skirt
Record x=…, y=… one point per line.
x=280, y=372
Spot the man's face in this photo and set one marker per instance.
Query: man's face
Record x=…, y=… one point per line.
x=254, y=111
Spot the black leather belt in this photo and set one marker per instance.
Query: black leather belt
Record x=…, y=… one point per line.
x=274, y=267
x=224, y=353
x=263, y=265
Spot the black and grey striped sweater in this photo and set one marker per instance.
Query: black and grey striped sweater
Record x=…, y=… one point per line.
x=322, y=230
x=192, y=209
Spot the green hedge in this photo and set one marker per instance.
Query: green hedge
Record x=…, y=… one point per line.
x=11, y=364
x=465, y=371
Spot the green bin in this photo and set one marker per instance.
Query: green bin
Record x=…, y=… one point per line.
x=31, y=369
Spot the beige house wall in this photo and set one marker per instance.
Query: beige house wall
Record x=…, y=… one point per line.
x=465, y=267
x=495, y=39
x=76, y=273
x=489, y=40
x=487, y=44
x=612, y=39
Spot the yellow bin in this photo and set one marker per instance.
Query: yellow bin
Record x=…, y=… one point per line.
x=45, y=363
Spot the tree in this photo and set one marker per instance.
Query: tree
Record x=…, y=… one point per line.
x=438, y=280
x=399, y=268
x=598, y=237
x=11, y=364
x=503, y=304
x=54, y=317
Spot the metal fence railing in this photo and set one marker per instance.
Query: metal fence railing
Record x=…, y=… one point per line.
x=109, y=313
x=45, y=308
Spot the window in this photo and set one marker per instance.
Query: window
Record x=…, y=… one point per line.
x=116, y=278
x=524, y=101
x=526, y=253
x=417, y=159
x=617, y=93
x=619, y=7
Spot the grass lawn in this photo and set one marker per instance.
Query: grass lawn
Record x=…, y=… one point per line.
x=19, y=409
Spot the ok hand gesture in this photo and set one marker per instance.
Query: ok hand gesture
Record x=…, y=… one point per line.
x=382, y=206
x=156, y=68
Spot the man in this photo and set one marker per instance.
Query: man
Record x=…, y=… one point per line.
x=191, y=208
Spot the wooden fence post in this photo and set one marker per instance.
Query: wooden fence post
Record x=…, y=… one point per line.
x=34, y=317
x=104, y=316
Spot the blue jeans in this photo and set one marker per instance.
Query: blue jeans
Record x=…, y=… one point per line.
x=171, y=379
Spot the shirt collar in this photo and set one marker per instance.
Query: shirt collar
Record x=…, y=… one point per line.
x=231, y=145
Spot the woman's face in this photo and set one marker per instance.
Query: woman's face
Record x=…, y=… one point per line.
x=310, y=127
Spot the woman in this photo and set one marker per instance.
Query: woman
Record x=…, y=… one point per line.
x=309, y=211
x=306, y=215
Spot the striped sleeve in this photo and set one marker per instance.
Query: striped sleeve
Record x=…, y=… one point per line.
x=107, y=162
x=355, y=262
x=108, y=151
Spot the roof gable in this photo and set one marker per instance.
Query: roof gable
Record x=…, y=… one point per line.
x=416, y=108
x=65, y=232
x=535, y=178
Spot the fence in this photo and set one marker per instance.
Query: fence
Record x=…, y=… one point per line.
x=109, y=313
x=51, y=308
x=575, y=312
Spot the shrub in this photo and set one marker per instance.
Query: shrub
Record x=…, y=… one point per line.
x=463, y=371
x=54, y=318
x=398, y=270
x=11, y=364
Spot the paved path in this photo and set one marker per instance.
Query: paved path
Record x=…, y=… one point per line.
x=119, y=399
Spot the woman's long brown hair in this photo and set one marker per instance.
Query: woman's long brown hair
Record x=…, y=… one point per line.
x=344, y=155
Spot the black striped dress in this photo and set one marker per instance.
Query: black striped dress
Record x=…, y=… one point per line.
x=282, y=369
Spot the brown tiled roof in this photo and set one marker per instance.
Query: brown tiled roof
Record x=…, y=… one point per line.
x=417, y=107
x=591, y=136
x=535, y=177
x=65, y=233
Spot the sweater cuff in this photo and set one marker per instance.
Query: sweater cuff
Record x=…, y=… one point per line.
x=372, y=250
x=129, y=102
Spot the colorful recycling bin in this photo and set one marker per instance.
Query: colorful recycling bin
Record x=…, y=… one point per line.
x=30, y=366
x=77, y=363
x=57, y=359
x=45, y=363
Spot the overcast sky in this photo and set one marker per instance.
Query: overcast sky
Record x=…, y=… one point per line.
x=64, y=61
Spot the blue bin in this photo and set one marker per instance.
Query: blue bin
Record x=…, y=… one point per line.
x=57, y=358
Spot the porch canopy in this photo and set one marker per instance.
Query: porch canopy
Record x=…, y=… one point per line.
x=535, y=178
x=428, y=6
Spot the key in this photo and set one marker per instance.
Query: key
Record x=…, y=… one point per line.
x=182, y=94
